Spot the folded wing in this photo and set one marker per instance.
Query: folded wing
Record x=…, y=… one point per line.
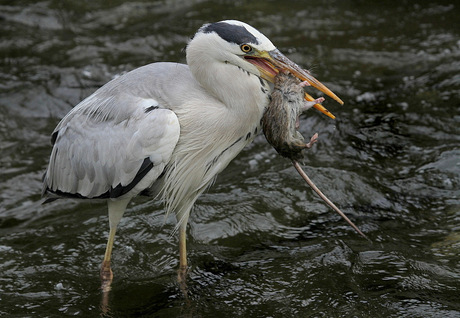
x=110, y=146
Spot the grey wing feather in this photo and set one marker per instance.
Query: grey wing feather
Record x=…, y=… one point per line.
x=104, y=142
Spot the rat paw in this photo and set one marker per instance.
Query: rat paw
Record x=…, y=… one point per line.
x=313, y=139
x=307, y=105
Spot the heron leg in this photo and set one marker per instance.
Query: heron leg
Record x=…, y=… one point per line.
x=116, y=210
x=182, y=272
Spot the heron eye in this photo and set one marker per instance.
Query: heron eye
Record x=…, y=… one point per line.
x=246, y=48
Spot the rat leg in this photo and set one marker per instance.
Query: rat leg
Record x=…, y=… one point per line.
x=313, y=139
x=307, y=105
x=304, y=83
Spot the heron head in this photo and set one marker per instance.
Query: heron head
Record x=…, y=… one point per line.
x=240, y=44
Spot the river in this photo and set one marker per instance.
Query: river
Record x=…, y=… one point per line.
x=260, y=242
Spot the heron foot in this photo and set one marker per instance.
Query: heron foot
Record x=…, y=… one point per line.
x=313, y=139
x=106, y=276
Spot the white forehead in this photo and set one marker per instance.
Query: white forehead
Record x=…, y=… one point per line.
x=238, y=32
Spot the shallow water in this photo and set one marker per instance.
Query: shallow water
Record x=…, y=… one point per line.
x=261, y=244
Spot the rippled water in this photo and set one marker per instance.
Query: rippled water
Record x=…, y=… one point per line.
x=260, y=243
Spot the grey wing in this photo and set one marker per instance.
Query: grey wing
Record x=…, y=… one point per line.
x=101, y=151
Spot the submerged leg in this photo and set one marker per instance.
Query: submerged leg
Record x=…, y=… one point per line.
x=116, y=210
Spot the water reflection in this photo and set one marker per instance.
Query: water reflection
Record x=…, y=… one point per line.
x=261, y=244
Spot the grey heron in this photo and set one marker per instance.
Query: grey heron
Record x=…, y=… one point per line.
x=167, y=129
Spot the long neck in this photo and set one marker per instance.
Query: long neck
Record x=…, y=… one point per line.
x=215, y=127
x=232, y=85
x=224, y=78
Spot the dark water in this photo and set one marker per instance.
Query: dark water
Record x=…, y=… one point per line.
x=260, y=243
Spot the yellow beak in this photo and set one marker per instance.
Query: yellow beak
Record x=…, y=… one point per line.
x=271, y=63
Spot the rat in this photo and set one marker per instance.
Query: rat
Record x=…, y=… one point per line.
x=281, y=122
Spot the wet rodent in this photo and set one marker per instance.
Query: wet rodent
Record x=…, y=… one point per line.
x=280, y=124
